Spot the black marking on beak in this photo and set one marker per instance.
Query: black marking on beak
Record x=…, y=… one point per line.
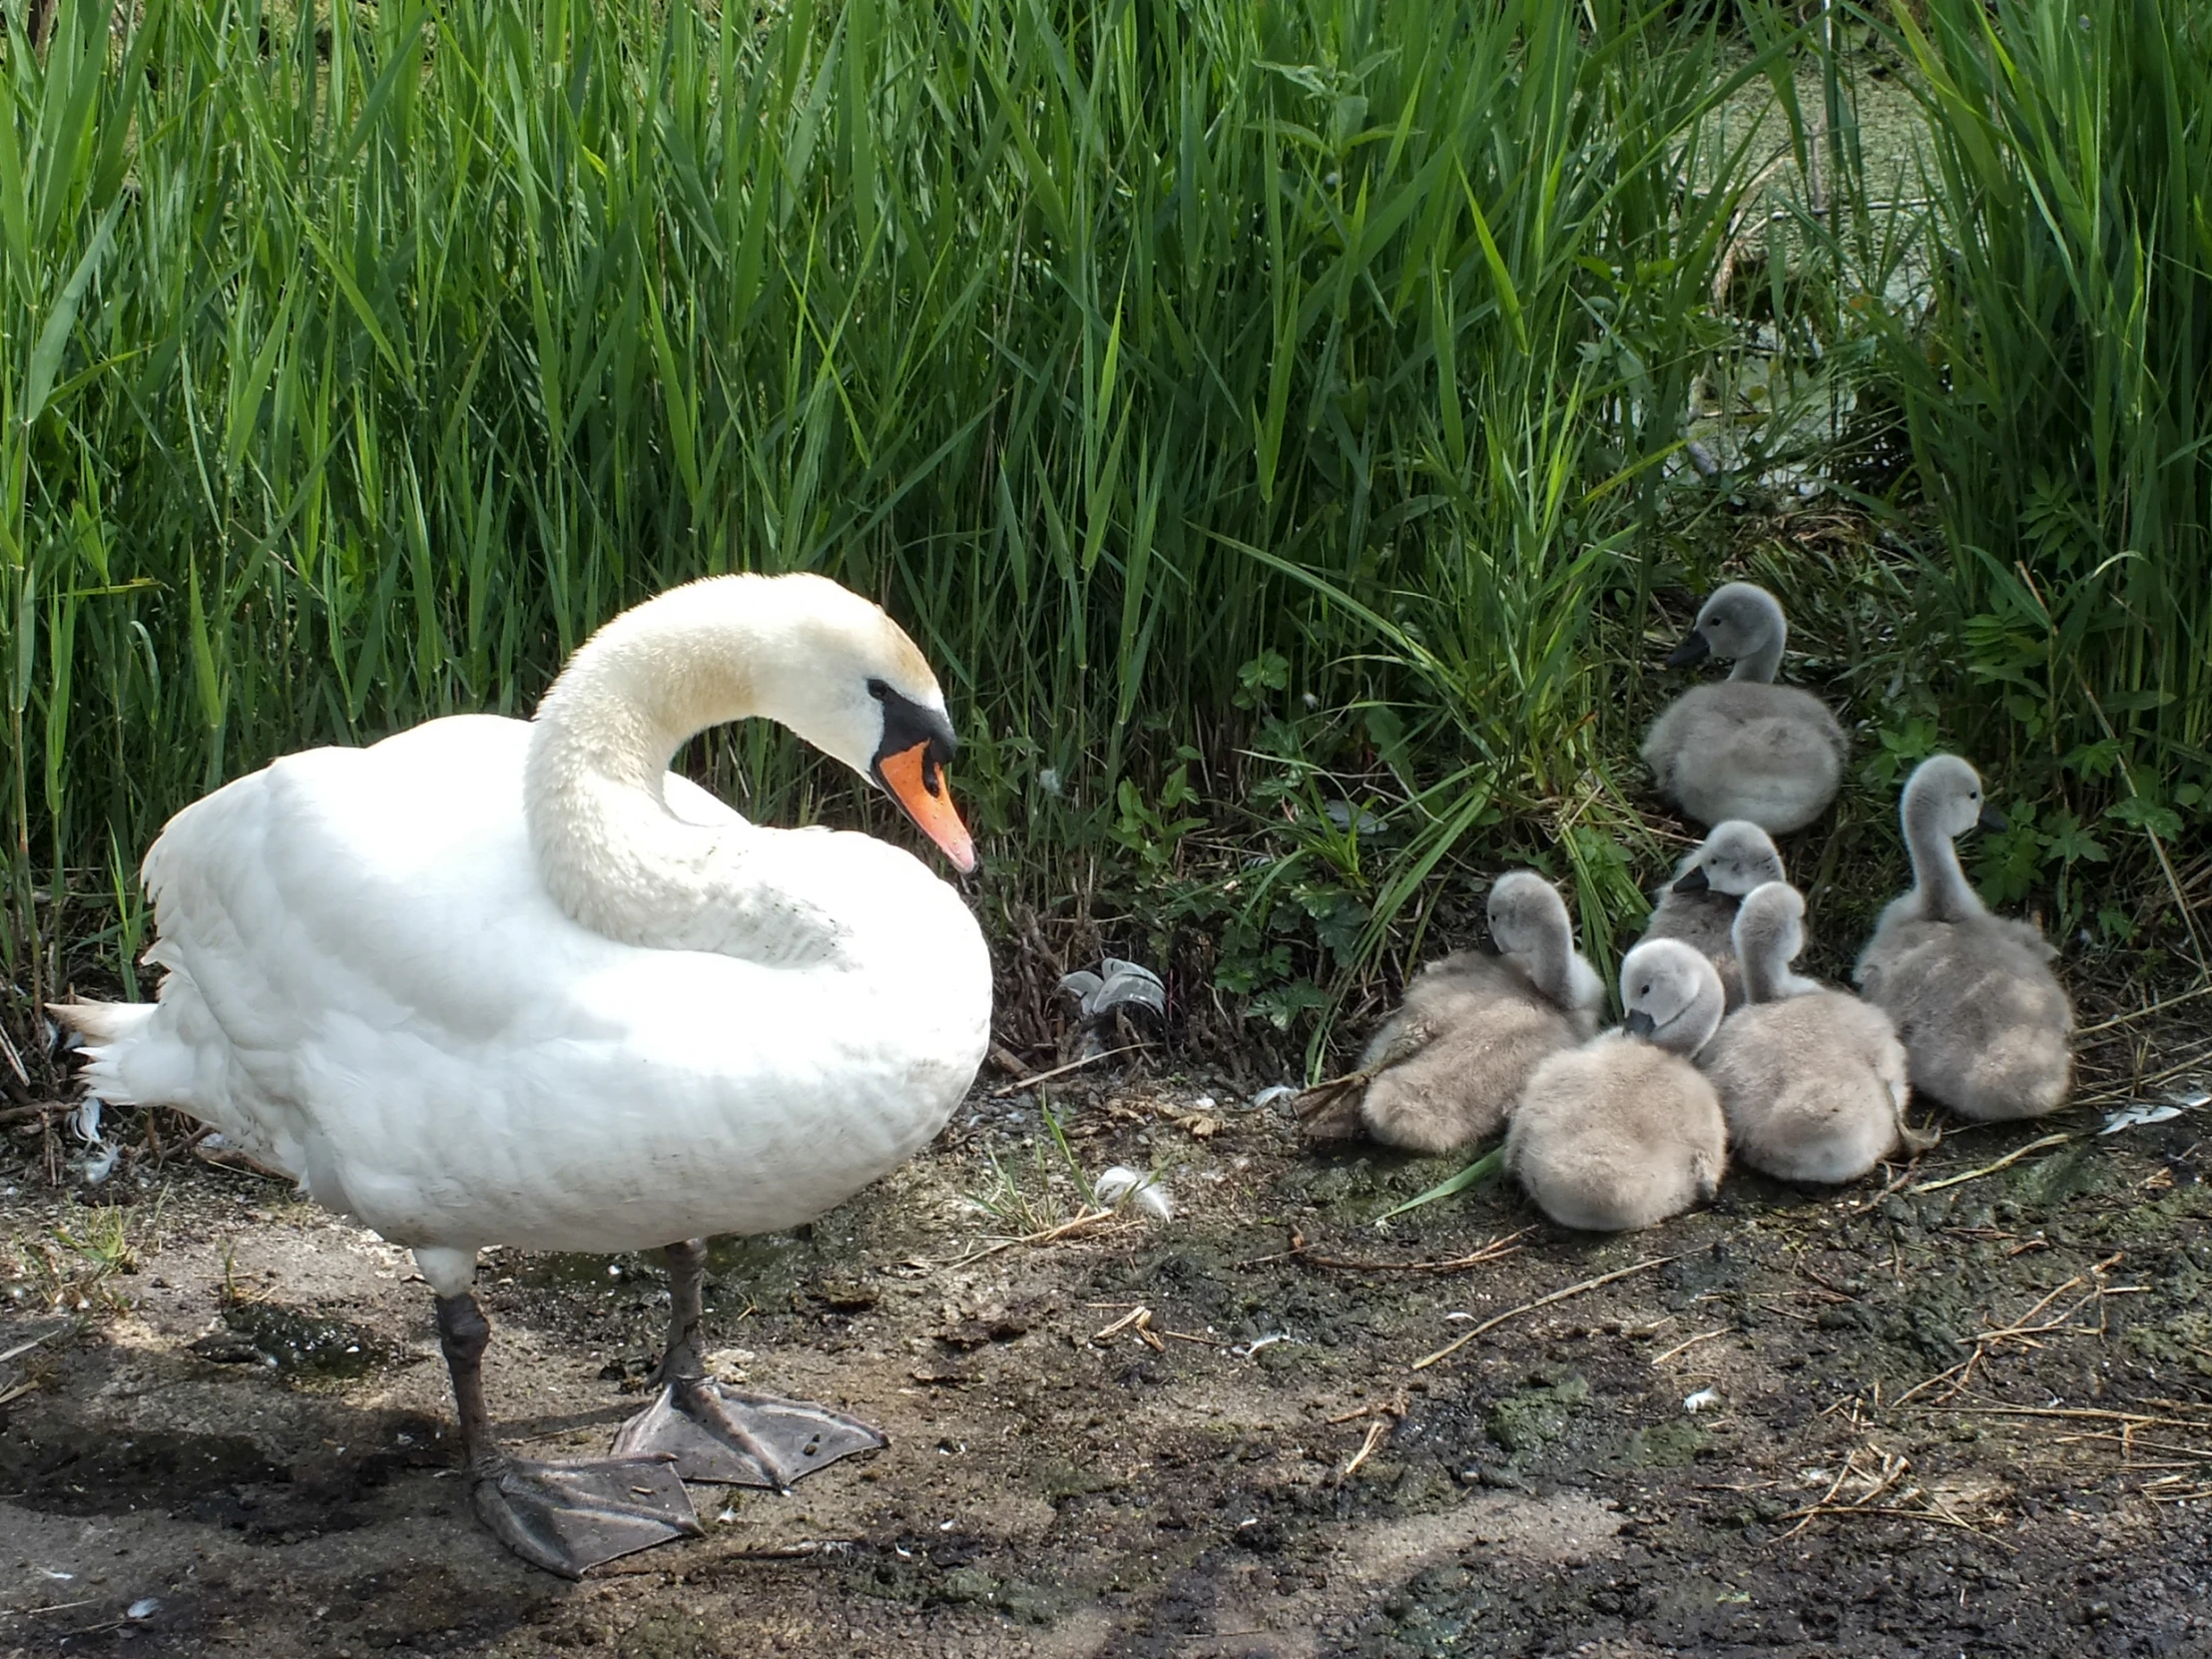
x=1991, y=818
x=906, y=725
x=1695, y=648
x=1638, y=1023
x=1694, y=880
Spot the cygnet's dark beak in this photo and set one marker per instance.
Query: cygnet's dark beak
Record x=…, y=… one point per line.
x=1695, y=648
x=1693, y=880
x=1991, y=818
x=1638, y=1023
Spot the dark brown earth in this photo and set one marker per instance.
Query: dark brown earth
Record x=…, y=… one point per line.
x=1968, y=1420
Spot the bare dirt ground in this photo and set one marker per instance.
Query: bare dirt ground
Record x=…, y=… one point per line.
x=1968, y=1419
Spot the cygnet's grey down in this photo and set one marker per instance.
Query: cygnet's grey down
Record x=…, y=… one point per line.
x=1624, y=1131
x=1443, y=1071
x=1987, y=1028
x=1699, y=905
x=1745, y=747
x=1811, y=1081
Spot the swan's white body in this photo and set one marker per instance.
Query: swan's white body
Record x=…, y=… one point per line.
x=371, y=986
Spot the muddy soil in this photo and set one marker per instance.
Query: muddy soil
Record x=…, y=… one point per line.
x=1947, y=1419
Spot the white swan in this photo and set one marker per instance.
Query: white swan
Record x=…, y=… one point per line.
x=1984, y=1022
x=501, y=982
x=1745, y=747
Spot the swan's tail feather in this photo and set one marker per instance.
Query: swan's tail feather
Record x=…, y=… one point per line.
x=102, y=1022
x=126, y=1065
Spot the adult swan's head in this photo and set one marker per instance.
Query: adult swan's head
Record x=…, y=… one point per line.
x=798, y=648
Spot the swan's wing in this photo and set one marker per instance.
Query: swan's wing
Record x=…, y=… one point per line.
x=698, y=806
x=371, y=982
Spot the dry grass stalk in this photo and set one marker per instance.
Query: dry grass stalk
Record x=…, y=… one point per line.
x=1376, y=1431
x=2006, y=1161
x=1087, y=1223
x=1886, y=1482
x=2024, y=1332
x=1682, y=1347
x=1504, y=1245
x=1451, y=1348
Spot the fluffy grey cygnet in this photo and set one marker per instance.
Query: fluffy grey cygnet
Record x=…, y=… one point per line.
x=1624, y=1131
x=1811, y=1081
x=1745, y=747
x=1985, y=1025
x=1445, y=1069
x=1699, y=905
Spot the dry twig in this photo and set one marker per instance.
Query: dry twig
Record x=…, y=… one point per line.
x=1885, y=1483
x=2024, y=1333
x=1701, y=1337
x=1032, y=1081
x=1376, y=1431
x=2004, y=1162
x=2160, y=1007
x=1051, y=1235
x=1493, y=1322
x=1506, y=1244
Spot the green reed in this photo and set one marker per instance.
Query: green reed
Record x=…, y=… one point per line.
x=356, y=364
x=359, y=362
x=2059, y=394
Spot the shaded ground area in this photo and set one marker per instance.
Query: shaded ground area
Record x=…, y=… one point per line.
x=1970, y=1418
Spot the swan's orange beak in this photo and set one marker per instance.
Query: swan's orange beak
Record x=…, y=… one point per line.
x=917, y=784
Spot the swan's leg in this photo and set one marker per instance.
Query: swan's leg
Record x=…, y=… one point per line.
x=717, y=1433
x=564, y=1517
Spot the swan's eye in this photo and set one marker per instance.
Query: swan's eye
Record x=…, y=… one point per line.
x=878, y=690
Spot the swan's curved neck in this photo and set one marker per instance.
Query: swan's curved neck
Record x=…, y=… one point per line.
x=1758, y=956
x=629, y=700
x=1938, y=880
x=1548, y=963
x=613, y=853
x=1766, y=661
x=1762, y=951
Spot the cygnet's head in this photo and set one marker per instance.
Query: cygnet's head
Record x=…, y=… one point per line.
x=1530, y=923
x=1740, y=619
x=1672, y=994
x=1737, y=856
x=1527, y=913
x=1946, y=793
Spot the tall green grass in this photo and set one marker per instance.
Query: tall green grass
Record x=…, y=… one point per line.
x=1162, y=364
x=358, y=363
x=2058, y=401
